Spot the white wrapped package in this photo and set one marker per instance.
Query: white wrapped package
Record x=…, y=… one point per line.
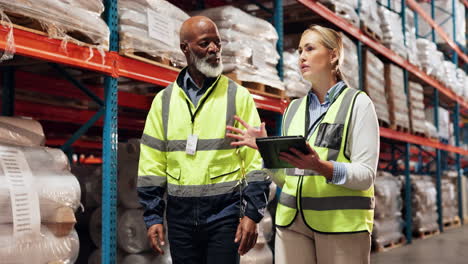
x=252, y=59
x=131, y=233
x=387, y=197
x=345, y=9
x=151, y=27
x=23, y=132
x=424, y=208
x=374, y=85
x=47, y=248
x=350, y=67
x=370, y=17
x=412, y=49
x=295, y=84
x=428, y=56
x=95, y=6
x=64, y=19
x=56, y=187
x=387, y=230
x=417, y=108
x=392, y=34
x=397, y=100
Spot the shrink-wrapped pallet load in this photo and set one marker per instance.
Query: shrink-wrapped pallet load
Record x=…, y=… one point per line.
x=388, y=223
x=370, y=18
x=295, y=85
x=250, y=59
x=416, y=111
x=396, y=97
x=350, y=66
x=345, y=9
x=150, y=29
x=392, y=34
x=374, y=85
x=412, y=49
x=423, y=202
x=78, y=21
x=429, y=57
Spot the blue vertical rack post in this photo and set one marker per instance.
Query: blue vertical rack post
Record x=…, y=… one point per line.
x=8, y=91
x=109, y=150
x=278, y=23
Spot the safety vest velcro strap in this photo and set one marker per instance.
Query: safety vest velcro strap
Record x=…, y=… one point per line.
x=151, y=181
x=203, y=190
x=288, y=200
x=295, y=172
x=337, y=203
x=256, y=175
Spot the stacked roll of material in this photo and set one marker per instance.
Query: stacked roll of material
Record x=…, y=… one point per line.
x=397, y=101
x=345, y=9
x=55, y=186
x=374, y=85
x=295, y=85
x=131, y=232
x=388, y=223
x=424, y=207
x=89, y=177
x=62, y=19
x=23, y=132
x=370, y=17
x=249, y=59
x=393, y=37
x=350, y=66
x=128, y=156
x=417, y=114
x=95, y=257
x=151, y=27
x=45, y=248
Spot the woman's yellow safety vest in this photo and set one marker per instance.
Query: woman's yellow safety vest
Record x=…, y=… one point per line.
x=325, y=207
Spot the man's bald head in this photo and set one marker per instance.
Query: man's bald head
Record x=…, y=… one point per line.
x=195, y=26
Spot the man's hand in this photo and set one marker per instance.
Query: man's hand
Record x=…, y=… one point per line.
x=156, y=237
x=246, y=137
x=246, y=234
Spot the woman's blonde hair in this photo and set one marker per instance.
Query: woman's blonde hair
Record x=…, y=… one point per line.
x=331, y=40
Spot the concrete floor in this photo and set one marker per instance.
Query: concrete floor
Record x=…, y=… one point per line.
x=450, y=247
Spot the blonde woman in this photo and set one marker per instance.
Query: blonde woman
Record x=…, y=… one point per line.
x=325, y=211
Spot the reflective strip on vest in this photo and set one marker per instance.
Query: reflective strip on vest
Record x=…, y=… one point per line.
x=288, y=200
x=338, y=203
x=257, y=175
x=291, y=113
x=151, y=181
x=203, y=190
x=202, y=144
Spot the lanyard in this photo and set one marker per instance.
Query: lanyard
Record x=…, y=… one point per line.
x=201, y=103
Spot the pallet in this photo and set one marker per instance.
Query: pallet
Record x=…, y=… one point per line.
x=420, y=134
x=453, y=223
x=370, y=33
x=426, y=234
x=384, y=124
x=389, y=246
x=400, y=128
x=32, y=25
x=259, y=88
x=145, y=57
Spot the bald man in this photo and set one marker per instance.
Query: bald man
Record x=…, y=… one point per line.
x=216, y=192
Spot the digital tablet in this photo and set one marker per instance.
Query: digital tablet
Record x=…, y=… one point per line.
x=270, y=148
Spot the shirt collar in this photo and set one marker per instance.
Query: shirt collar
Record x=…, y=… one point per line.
x=207, y=83
x=332, y=93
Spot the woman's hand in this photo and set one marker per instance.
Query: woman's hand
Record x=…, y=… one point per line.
x=309, y=161
x=246, y=137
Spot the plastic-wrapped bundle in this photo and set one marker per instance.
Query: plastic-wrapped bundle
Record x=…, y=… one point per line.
x=295, y=84
x=46, y=248
x=151, y=27
x=350, y=67
x=259, y=254
x=131, y=232
x=424, y=208
x=374, y=85
x=89, y=177
x=391, y=31
x=444, y=121
x=23, y=132
x=395, y=88
x=345, y=9
x=444, y=20
x=387, y=230
x=461, y=82
x=56, y=187
x=448, y=75
x=128, y=156
x=370, y=17
x=417, y=115
x=252, y=60
x=388, y=197
x=428, y=56
x=63, y=19
x=412, y=49
x=449, y=200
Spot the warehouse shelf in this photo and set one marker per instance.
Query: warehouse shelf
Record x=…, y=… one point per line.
x=344, y=25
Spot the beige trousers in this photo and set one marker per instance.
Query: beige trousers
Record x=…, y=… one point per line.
x=298, y=244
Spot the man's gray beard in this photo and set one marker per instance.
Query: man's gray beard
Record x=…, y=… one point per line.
x=204, y=67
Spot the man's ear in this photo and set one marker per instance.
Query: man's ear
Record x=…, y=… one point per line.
x=184, y=47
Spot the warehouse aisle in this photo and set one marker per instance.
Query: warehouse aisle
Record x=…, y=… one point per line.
x=451, y=247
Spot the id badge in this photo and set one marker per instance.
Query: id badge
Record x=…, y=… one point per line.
x=191, y=148
x=299, y=172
